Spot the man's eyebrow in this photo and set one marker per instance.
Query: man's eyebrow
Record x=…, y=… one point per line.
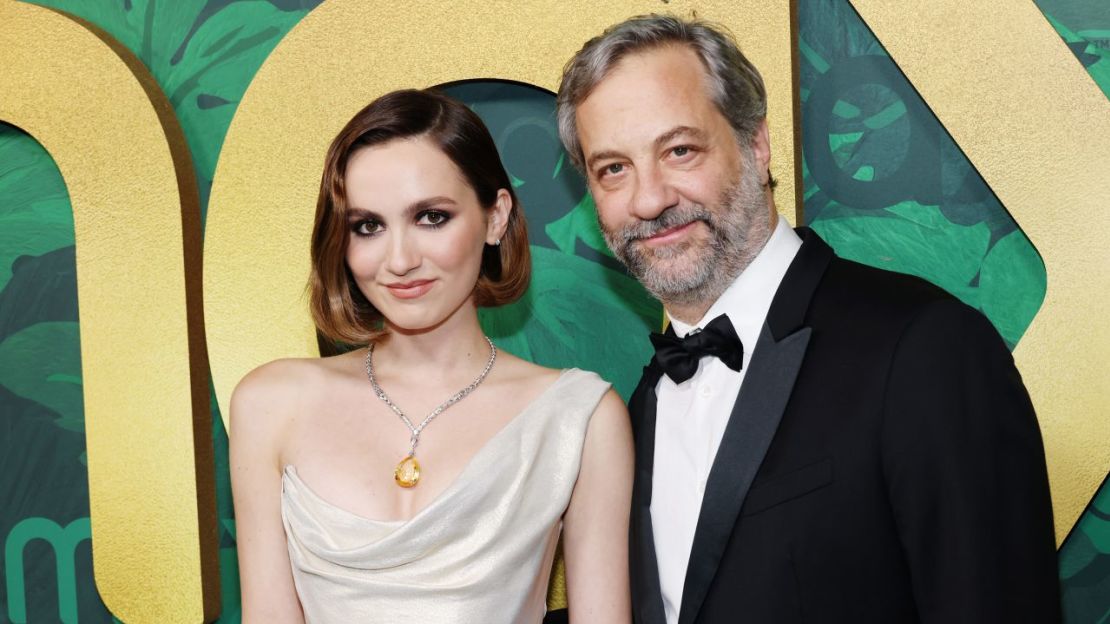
x=668, y=136
x=678, y=131
x=603, y=155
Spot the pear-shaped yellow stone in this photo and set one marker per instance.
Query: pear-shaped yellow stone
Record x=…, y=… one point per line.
x=407, y=473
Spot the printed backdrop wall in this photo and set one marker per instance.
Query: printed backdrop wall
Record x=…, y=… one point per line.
x=881, y=178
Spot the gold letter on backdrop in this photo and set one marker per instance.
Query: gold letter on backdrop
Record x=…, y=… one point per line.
x=339, y=58
x=100, y=115
x=1037, y=128
x=1000, y=80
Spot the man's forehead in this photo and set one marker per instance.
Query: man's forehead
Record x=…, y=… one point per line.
x=644, y=97
x=665, y=63
x=663, y=76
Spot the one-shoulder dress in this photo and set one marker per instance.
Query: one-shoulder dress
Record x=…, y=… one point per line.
x=480, y=552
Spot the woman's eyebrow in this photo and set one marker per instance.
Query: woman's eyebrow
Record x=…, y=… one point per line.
x=354, y=214
x=424, y=204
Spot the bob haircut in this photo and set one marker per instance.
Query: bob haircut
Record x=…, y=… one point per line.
x=341, y=312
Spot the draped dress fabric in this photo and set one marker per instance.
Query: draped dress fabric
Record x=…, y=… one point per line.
x=479, y=552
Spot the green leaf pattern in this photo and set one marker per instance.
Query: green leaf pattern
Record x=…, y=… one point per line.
x=883, y=183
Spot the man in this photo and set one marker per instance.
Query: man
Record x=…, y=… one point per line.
x=816, y=440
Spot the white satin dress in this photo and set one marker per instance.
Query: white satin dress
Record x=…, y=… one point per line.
x=480, y=552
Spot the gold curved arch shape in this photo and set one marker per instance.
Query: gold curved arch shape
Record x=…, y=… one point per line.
x=343, y=55
x=101, y=116
x=1037, y=128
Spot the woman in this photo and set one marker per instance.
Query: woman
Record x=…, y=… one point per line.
x=426, y=476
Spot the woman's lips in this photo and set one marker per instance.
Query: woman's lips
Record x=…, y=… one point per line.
x=410, y=290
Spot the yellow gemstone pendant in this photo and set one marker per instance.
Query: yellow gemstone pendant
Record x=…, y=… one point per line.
x=407, y=473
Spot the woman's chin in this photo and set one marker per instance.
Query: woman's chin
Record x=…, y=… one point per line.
x=414, y=324
x=410, y=319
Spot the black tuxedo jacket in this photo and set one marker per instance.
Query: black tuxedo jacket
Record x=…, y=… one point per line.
x=882, y=463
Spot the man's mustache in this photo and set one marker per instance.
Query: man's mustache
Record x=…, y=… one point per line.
x=668, y=219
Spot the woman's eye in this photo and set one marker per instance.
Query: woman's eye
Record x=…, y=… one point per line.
x=366, y=227
x=433, y=218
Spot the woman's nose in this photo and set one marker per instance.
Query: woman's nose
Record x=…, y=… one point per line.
x=402, y=255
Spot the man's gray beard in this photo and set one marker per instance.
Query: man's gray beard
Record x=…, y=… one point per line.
x=682, y=275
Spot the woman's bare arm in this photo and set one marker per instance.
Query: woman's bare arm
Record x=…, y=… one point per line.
x=595, y=529
x=258, y=413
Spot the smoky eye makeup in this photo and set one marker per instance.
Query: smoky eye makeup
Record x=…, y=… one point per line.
x=364, y=223
x=433, y=218
x=365, y=227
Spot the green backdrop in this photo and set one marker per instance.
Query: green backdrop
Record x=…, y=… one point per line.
x=884, y=184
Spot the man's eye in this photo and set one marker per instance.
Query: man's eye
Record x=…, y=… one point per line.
x=612, y=169
x=681, y=150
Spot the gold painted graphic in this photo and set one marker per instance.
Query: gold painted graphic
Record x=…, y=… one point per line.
x=1037, y=128
x=339, y=58
x=344, y=54
x=101, y=116
x=998, y=77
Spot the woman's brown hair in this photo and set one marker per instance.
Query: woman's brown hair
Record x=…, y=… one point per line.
x=339, y=309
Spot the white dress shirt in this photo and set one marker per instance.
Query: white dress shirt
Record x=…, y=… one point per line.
x=691, y=416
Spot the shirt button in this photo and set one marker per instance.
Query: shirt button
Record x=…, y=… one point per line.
x=705, y=392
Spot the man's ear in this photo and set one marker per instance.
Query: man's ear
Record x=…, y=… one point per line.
x=498, y=221
x=761, y=151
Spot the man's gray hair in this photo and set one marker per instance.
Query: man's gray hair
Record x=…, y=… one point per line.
x=735, y=84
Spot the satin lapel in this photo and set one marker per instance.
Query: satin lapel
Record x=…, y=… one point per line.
x=647, y=597
x=776, y=359
x=755, y=417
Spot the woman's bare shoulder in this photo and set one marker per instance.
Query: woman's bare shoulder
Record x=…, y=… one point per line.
x=517, y=370
x=612, y=413
x=276, y=381
x=269, y=395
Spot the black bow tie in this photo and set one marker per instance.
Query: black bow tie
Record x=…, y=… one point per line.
x=678, y=357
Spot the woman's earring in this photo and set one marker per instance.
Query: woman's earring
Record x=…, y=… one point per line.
x=497, y=243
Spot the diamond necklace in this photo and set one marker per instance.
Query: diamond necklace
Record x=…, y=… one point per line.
x=407, y=472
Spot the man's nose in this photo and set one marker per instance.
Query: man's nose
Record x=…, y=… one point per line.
x=402, y=255
x=653, y=194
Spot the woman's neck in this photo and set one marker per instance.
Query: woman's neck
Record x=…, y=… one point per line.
x=457, y=346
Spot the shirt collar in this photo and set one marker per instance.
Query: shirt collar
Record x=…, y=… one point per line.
x=748, y=298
